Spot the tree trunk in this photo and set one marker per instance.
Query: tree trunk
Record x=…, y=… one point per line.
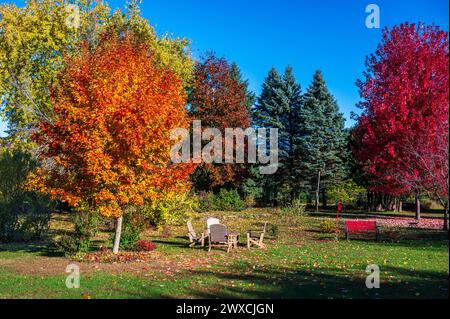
x=417, y=206
x=445, y=205
x=117, y=236
x=446, y=217
x=400, y=206
x=378, y=202
x=324, y=198
x=317, y=192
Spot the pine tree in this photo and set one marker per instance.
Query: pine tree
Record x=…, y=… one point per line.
x=237, y=76
x=322, y=141
x=279, y=107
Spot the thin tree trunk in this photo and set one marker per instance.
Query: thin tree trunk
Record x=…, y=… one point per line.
x=446, y=217
x=445, y=205
x=417, y=205
x=378, y=202
x=324, y=198
x=317, y=192
x=400, y=206
x=395, y=205
x=117, y=236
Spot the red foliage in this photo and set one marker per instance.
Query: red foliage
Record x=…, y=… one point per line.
x=144, y=245
x=402, y=135
x=219, y=101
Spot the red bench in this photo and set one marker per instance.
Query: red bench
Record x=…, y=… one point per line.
x=361, y=227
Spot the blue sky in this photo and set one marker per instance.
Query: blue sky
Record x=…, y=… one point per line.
x=259, y=34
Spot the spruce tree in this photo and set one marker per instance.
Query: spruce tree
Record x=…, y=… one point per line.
x=322, y=140
x=237, y=76
x=278, y=107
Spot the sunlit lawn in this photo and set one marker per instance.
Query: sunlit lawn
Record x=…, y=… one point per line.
x=302, y=262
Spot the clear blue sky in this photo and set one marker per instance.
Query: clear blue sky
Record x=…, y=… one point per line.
x=309, y=35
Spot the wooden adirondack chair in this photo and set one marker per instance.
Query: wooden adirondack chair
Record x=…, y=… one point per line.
x=193, y=238
x=211, y=221
x=218, y=237
x=255, y=237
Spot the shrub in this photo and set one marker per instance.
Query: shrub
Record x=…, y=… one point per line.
x=36, y=210
x=68, y=244
x=430, y=203
x=273, y=230
x=249, y=201
x=348, y=192
x=207, y=201
x=295, y=208
x=9, y=223
x=328, y=226
x=251, y=189
x=226, y=200
x=172, y=209
x=143, y=245
x=133, y=225
x=229, y=200
x=85, y=228
x=24, y=215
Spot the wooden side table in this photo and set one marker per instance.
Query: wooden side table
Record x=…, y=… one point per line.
x=234, y=238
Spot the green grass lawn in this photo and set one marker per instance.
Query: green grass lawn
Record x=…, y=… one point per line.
x=301, y=262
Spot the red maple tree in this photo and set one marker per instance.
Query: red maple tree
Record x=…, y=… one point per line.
x=403, y=130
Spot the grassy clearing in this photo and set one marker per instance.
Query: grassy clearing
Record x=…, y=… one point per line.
x=302, y=262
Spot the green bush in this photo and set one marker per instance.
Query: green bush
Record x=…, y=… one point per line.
x=348, y=192
x=132, y=227
x=85, y=228
x=273, y=230
x=9, y=223
x=174, y=209
x=226, y=200
x=251, y=188
x=36, y=211
x=24, y=215
x=207, y=201
x=229, y=200
x=297, y=207
x=328, y=226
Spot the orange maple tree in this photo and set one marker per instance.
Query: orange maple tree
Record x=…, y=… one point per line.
x=109, y=143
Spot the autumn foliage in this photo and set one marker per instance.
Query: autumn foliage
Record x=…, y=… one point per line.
x=219, y=101
x=109, y=143
x=402, y=135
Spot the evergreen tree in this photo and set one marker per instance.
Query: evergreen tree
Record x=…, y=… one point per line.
x=237, y=76
x=322, y=140
x=279, y=107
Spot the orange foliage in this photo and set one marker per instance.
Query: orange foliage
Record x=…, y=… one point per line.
x=109, y=144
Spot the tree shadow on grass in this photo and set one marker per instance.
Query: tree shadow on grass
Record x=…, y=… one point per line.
x=37, y=248
x=276, y=283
